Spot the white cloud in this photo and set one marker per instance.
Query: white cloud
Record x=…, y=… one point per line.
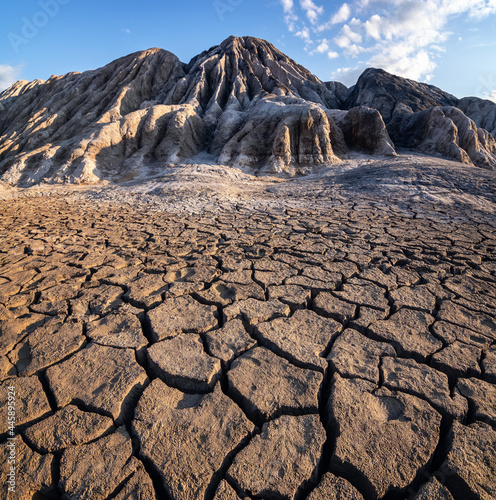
x=490, y=95
x=322, y=47
x=342, y=15
x=348, y=76
x=290, y=17
x=399, y=61
x=404, y=37
x=311, y=10
x=287, y=5
x=127, y=31
x=8, y=75
x=332, y=55
x=304, y=34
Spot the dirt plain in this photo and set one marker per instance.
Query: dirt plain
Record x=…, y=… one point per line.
x=209, y=334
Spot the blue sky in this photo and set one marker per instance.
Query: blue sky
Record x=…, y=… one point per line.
x=448, y=43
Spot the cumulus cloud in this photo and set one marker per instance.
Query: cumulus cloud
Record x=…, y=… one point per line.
x=404, y=37
x=311, y=10
x=8, y=75
x=342, y=15
x=287, y=5
x=290, y=17
x=322, y=48
x=491, y=96
x=304, y=34
x=332, y=55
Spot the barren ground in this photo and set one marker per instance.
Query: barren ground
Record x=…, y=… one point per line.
x=203, y=333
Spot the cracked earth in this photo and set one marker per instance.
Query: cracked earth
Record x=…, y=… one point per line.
x=346, y=352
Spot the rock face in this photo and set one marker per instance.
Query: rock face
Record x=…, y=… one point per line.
x=391, y=94
x=424, y=118
x=445, y=131
x=242, y=103
x=150, y=109
x=482, y=111
x=364, y=130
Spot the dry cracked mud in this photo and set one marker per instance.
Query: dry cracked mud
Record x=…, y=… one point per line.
x=345, y=352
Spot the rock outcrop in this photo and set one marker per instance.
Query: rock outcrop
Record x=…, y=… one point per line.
x=482, y=111
x=391, y=94
x=426, y=119
x=242, y=103
x=445, y=131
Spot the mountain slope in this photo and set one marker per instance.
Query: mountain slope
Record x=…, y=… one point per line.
x=244, y=103
x=391, y=94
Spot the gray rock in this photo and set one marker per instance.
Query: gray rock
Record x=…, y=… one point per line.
x=302, y=339
x=482, y=111
x=391, y=94
x=102, y=378
x=383, y=438
x=445, y=131
x=277, y=461
x=364, y=130
x=340, y=91
x=181, y=315
x=187, y=463
x=95, y=470
x=470, y=467
x=269, y=386
x=181, y=362
x=68, y=427
x=354, y=355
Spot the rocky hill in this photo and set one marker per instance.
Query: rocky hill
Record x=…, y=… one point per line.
x=243, y=103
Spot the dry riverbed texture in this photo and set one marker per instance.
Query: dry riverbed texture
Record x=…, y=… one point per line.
x=343, y=347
